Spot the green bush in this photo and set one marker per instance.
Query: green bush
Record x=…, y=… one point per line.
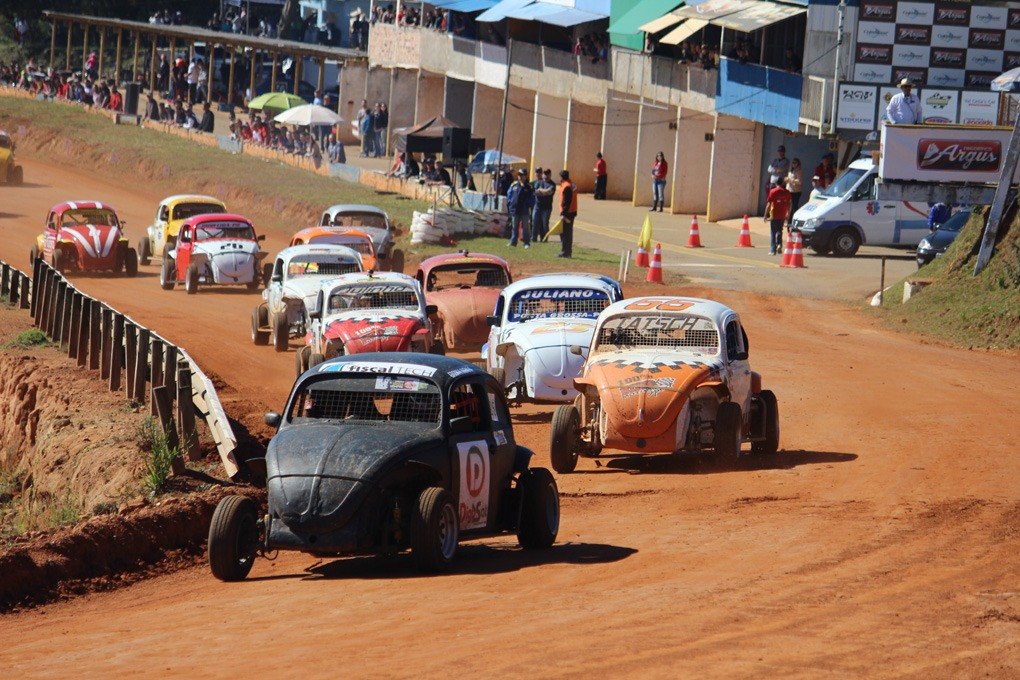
x=33, y=337
x=158, y=456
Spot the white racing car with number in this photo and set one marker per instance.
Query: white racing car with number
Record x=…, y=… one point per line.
x=214, y=249
x=535, y=323
x=292, y=291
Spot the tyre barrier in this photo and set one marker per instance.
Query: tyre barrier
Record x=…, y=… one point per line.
x=128, y=356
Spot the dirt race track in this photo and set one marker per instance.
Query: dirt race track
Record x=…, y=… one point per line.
x=884, y=539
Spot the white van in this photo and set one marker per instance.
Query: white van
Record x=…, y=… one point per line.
x=848, y=213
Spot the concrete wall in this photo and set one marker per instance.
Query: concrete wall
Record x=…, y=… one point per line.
x=430, y=96
x=520, y=122
x=691, y=163
x=403, y=91
x=734, y=180
x=352, y=90
x=654, y=135
x=807, y=148
x=456, y=103
x=549, y=141
x=584, y=140
x=619, y=144
x=487, y=106
x=377, y=87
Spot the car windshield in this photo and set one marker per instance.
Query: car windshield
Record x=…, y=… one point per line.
x=358, y=243
x=183, y=211
x=389, y=295
x=76, y=216
x=956, y=222
x=359, y=219
x=374, y=398
x=237, y=230
x=675, y=331
x=548, y=303
x=843, y=183
x=321, y=265
x=484, y=275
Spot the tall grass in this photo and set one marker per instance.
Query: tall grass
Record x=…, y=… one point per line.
x=157, y=455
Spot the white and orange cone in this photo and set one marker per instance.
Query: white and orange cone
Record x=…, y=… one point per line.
x=655, y=269
x=694, y=240
x=744, y=240
x=787, y=251
x=796, y=254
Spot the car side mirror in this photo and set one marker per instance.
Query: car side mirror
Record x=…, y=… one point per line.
x=272, y=419
x=576, y=350
x=492, y=320
x=431, y=309
x=260, y=237
x=276, y=278
x=461, y=425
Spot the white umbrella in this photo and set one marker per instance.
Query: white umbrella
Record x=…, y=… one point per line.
x=309, y=114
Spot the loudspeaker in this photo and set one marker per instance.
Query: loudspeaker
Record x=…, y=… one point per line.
x=456, y=143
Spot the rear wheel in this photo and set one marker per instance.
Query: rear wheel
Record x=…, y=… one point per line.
x=191, y=279
x=256, y=278
x=131, y=262
x=438, y=348
x=563, y=439
x=434, y=530
x=33, y=255
x=301, y=360
x=499, y=373
x=259, y=320
x=396, y=261
x=770, y=413
x=233, y=538
x=314, y=359
x=144, y=250
x=17, y=175
x=58, y=260
x=728, y=426
x=845, y=242
x=281, y=332
x=167, y=274
x=540, y=509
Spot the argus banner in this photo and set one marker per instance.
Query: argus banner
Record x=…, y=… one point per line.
x=931, y=153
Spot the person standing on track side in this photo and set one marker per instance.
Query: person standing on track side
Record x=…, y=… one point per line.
x=659, y=171
x=544, y=190
x=776, y=211
x=601, y=177
x=568, y=212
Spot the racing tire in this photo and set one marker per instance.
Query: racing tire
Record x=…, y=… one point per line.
x=499, y=373
x=540, y=509
x=301, y=360
x=770, y=408
x=267, y=274
x=233, y=538
x=144, y=251
x=845, y=242
x=33, y=255
x=438, y=348
x=314, y=359
x=259, y=320
x=191, y=279
x=435, y=530
x=281, y=332
x=17, y=176
x=131, y=263
x=396, y=261
x=728, y=431
x=256, y=280
x=563, y=440
x=167, y=274
x=58, y=260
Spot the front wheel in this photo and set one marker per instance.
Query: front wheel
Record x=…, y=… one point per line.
x=540, y=509
x=770, y=413
x=438, y=348
x=167, y=274
x=728, y=430
x=233, y=538
x=259, y=320
x=314, y=359
x=301, y=359
x=58, y=260
x=144, y=251
x=396, y=261
x=281, y=332
x=563, y=442
x=845, y=242
x=131, y=262
x=435, y=530
x=191, y=279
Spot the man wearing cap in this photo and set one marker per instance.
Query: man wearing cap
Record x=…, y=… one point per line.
x=904, y=108
x=520, y=198
x=544, y=191
x=568, y=211
x=779, y=167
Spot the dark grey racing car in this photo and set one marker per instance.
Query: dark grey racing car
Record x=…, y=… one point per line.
x=384, y=452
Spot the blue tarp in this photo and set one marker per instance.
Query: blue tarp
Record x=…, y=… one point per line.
x=499, y=11
x=547, y=12
x=761, y=94
x=468, y=5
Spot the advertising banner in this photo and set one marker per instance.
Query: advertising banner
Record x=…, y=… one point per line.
x=878, y=74
x=947, y=77
x=857, y=106
x=979, y=108
x=939, y=106
x=916, y=153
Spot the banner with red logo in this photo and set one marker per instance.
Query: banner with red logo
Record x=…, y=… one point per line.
x=943, y=154
x=475, y=470
x=979, y=108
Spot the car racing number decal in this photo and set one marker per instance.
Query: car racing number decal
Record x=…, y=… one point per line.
x=661, y=304
x=474, y=484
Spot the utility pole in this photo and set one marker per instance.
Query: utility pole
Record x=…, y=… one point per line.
x=835, y=71
x=506, y=102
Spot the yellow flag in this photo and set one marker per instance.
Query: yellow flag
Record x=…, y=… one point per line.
x=556, y=228
x=645, y=239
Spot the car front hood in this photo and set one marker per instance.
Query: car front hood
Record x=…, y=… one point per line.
x=317, y=474
x=232, y=259
x=303, y=286
x=545, y=347
x=93, y=241
x=464, y=311
x=373, y=332
x=380, y=237
x=642, y=393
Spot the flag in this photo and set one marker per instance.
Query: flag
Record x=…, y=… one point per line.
x=645, y=239
x=556, y=228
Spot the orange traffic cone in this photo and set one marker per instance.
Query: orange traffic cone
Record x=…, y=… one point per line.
x=788, y=251
x=797, y=252
x=655, y=270
x=642, y=257
x=744, y=240
x=694, y=240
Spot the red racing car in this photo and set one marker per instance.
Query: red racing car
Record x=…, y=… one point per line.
x=85, y=236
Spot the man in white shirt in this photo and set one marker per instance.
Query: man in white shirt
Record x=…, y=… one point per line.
x=904, y=108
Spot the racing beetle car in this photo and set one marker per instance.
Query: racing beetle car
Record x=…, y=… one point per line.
x=161, y=235
x=381, y=453
x=536, y=322
x=293, y=290
x=666, y=374
x=213, y=249
x=10, y=171
x=342, y=236
x=374, y=222
x=372, y=312
x=464, y=287
x=85, y=236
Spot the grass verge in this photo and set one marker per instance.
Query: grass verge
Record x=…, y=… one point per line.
x=157, y=454
x=33, y=337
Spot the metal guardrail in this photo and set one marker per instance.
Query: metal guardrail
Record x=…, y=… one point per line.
x=127, y=355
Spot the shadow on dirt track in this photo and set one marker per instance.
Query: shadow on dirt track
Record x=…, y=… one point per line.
x=471, y=559
x=707, y=464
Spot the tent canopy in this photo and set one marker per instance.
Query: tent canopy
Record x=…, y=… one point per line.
x=643, y=13
x=427, y=137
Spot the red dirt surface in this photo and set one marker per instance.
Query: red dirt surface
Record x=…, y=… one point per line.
x=882, y=540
